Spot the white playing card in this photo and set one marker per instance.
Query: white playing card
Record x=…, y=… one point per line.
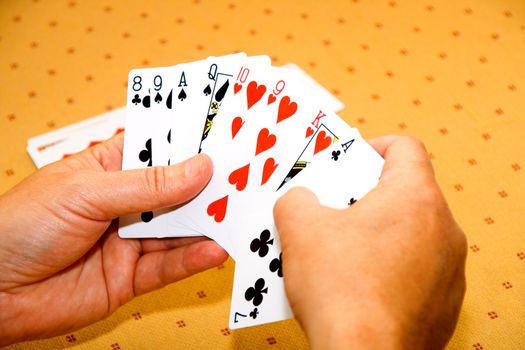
x=187, y=121
x=258, y=294
x=148, y=109
x=207, y=85
x=211, y=113
x=344, y=174
x=81, y=139
x=42, y=148
x=259, y=152
x=197, y=85
x=62, y=132
x=324, y=97
x=339, y=176
x=322, y=132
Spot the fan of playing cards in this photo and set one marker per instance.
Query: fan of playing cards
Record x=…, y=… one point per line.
x=266, y=129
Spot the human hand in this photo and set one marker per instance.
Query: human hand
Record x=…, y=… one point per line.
x=386, y=273
x=62, y=264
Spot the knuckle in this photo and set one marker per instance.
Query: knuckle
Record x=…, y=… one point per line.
x=75, y=183
x=429, y=194
x=414, y=142
x=78, y=192
x=461, y=243
x=283, y=204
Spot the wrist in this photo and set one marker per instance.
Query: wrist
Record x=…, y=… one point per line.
x=364, y=328
x=8, y=318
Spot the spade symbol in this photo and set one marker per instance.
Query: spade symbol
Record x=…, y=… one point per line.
x=222, y=91
x=207, y=90
x=136, y=100
x=352, y=201
x=146, y=216
x=145, y=154
x=158, y=97
x=169, y=99
x=146, y=101
x=182, y=95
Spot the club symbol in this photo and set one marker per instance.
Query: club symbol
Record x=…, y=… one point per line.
x=136, y=100
x=158, y=97
x=145, y=154
x=256, y=292
x=254, y=313
x=146, y=216
x=276, y=265
x=207, y=90
x=352, y=201
x=335, y=155
x=261, y=244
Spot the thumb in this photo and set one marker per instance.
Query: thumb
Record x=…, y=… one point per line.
x=405, y=158
x=119, y=193
x=292, y=213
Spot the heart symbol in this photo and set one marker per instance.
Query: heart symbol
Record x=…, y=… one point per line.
x=236, y=88
x=271, y=99
x=239, y=177
x=237, y=122
x=286, y=109
x=322, y=141
x=93, y=143
x=217, y=209
x=254, y=93
x=265, y=141
x=309, y=132
x=268, y=169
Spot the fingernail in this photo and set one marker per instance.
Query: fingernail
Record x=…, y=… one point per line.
x=193, y=166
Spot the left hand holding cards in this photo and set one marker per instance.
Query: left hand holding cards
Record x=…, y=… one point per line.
x=62, y=264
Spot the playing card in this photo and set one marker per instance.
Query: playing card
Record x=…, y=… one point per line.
x=205, y=85
x=201, y=87
x=258, y=294
x=320, y=134
x=148, y=111
x=343, y=174
x=325, y=99
x=52, y=146
x=340, y=176
x=80, y=140
x=262, y=127
x=192, y=85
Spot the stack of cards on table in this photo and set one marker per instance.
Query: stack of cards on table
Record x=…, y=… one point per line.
x=267, y=129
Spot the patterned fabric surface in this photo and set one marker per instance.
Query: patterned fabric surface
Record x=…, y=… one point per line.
x=449, y=72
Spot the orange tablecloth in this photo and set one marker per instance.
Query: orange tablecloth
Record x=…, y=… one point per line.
x=449, y=72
